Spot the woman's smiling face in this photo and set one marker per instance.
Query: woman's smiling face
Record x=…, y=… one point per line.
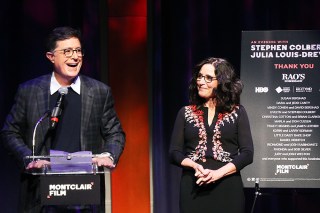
x=207, y=81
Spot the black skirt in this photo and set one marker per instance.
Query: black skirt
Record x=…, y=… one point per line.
x=224, y=196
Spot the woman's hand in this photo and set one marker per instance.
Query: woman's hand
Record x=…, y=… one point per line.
x=199, y=171
x=204, y=176
x=210, y=177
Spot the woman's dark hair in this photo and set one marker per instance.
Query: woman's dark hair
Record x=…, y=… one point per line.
x=60, y=34
x=229, y=85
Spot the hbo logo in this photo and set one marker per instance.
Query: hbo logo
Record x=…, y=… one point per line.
x=261, y=89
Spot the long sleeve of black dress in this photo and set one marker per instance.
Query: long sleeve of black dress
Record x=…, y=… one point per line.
x=228, y=139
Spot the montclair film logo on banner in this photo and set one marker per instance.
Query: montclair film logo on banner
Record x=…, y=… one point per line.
x=58, y=190
x=285, y=169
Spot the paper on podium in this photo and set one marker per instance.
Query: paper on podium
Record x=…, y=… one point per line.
x=70, y=162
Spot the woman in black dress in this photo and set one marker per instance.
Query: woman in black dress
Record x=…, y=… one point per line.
x=212, y=141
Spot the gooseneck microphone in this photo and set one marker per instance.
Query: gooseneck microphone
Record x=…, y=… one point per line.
x=256, y=185
x=46, y=114
x=56, y=112
x=256, y=194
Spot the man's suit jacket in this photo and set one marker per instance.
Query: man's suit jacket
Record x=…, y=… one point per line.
x=101, y=130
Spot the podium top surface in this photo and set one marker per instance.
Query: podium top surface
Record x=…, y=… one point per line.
x=63, y=164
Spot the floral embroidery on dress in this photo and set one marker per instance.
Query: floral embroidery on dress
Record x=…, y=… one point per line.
x=194, y=115
x=218, y=152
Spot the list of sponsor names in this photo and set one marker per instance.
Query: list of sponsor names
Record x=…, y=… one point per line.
x=292, y=120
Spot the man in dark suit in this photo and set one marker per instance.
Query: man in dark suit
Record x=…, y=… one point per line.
x=88, y=120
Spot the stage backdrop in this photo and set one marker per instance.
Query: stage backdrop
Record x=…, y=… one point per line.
x=280, y=70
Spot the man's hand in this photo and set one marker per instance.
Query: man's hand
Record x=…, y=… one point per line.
x=103, y=161
x=38, y=164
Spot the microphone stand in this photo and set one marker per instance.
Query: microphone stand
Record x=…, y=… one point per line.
x=256, y=194
x=35, y=130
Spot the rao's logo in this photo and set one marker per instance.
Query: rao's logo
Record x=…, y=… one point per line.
x=293, y=77
x=261, y=89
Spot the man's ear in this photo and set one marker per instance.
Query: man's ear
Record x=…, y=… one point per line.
x=50, y=56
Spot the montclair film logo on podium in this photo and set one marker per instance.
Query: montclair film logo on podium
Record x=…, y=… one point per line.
x=58, y=190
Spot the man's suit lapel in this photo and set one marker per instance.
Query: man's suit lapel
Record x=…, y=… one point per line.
x=86, y=108
x=43, y=95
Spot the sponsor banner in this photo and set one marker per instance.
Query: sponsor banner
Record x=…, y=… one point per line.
x=281, y=75
x=70, y=189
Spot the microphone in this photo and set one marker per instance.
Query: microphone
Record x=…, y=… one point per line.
x=56, y=112
x=257, y=188
x=256, y=185
x=46, y=114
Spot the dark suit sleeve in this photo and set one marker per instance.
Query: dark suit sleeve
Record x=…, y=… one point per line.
x=13, y=131
x=111, y=129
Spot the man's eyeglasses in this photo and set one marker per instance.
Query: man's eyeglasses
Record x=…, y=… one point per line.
x=207, y=78
x=69, y=52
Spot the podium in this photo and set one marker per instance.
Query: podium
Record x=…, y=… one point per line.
x=72, y=179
